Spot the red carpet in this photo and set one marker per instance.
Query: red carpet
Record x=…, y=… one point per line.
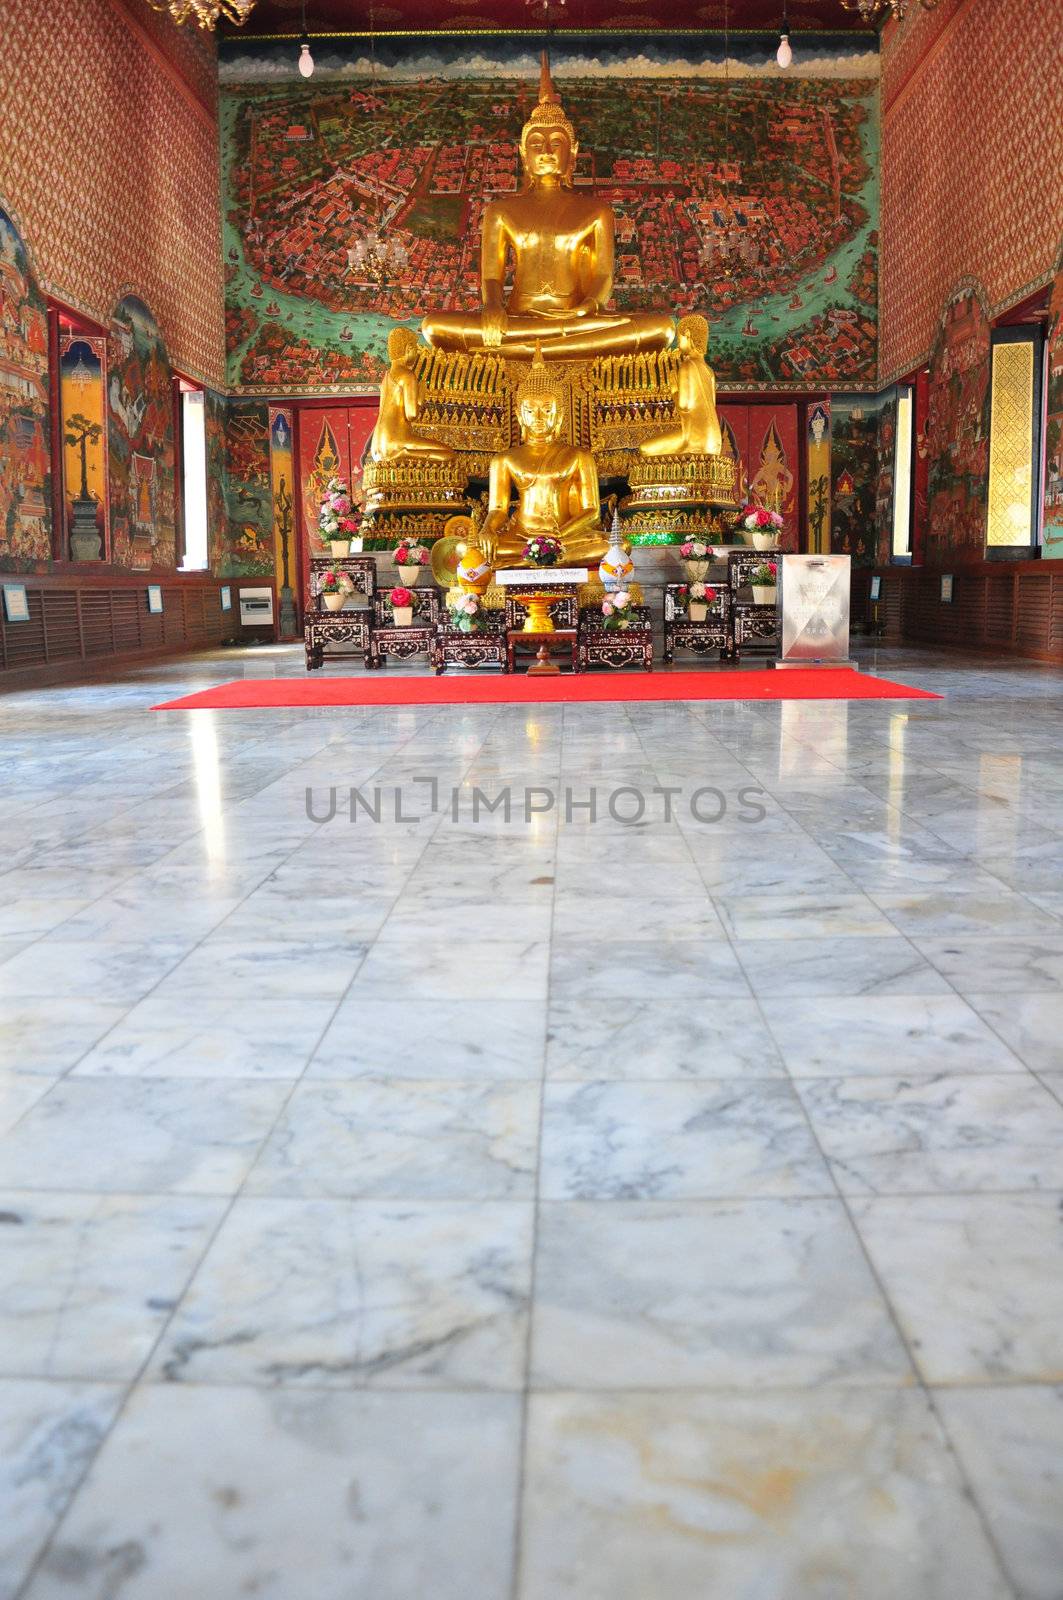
x=401, y=689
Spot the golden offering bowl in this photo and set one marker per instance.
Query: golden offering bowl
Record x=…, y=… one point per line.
x=538, y=619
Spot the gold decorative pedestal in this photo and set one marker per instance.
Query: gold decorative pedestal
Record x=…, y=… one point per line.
x=685, y=496
x=539, y=619
x=412, y=499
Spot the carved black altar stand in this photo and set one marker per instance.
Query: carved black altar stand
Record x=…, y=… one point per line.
x=754, y=628
x=711, y=635
x=349, y=626
x=600, y=646
x=387, y=638
x=486, y=647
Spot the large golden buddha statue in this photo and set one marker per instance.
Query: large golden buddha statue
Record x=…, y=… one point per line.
x=561, y=243
x=698, y=431
x=393, y=437
x=556, y=484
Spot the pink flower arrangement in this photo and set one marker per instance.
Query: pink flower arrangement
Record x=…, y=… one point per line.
x=616, y=609
x=765, y=575
x=704, y=592
x=411, y=555
x=400, y=598
x=466, y=613
x=334, y=582
x=756, y=519
x=694, y=550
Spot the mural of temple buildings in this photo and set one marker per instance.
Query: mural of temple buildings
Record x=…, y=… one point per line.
x=784, y=173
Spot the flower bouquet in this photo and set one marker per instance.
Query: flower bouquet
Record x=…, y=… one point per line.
x=338, y=521
x=401, y=602
x=700, y=597
x=617, y=609
x=410, y=558
x=763, y=579
x=543, y=551
x=762, y=527
x=467, y=613
x=695, y=556
x=334, y=587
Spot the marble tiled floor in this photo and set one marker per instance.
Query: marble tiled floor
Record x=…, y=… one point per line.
x=542, y=1210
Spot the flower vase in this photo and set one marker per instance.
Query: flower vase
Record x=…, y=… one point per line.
x=409, y=576
x=403, y=616
x=340, y=547
x=356, y=545
x=764, y=594
x=764, y=538
x=697, y=610
x=334, y=602
x=696, y=571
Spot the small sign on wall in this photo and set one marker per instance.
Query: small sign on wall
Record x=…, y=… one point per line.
x=226, y=597
x=16, y=603
x=876, y=588
x=154, y=598
x=946, y=588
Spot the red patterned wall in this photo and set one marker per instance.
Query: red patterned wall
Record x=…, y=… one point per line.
x=109, y=162
x=972, y=150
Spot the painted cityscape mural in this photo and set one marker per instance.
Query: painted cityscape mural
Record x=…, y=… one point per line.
x=359, y=196
x=25, y=472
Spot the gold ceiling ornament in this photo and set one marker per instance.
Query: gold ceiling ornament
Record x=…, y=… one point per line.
x=206, y=13
x=871, y=10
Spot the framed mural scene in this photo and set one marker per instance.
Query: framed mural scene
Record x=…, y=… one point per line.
x=354, y=201
x=25, y=422
x=83, y=420
x=140, y=441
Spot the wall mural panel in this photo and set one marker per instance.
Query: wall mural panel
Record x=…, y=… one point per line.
x=957, y=431
x=1053, y=516
x=404, y=161
x=25, y=470
x=217, y=473
x=248, y=493
x=140, y=441
x=83, y=406
x=856, y=424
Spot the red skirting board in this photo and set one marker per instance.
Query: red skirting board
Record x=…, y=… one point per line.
x=400, y=689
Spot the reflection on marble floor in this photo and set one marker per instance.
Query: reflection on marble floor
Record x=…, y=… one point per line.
x=532, y=1210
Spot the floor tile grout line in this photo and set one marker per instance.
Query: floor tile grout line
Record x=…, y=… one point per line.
x=886, y=1299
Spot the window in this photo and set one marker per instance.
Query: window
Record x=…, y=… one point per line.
x=903, y=486
x=1013, y=521
x=193, y=478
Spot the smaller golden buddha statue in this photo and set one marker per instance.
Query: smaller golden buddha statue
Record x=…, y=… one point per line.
x=393, y=438
x=556, y=484
x=698, y=433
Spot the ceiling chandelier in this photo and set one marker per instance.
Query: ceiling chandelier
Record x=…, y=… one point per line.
x=871, y=10
x=207, y=13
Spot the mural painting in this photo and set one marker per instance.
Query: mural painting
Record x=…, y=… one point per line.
x=885, y=472
x=216, y=411
x=83, y=410
x=357, y=199
x=764, y=439
x=140, y=441
x=25, y=472
x=817, y=443
x=333, y=443
x=1053, y=515
x=248, y=494
x=855, y=428
x=282, y=479
x=957, y=432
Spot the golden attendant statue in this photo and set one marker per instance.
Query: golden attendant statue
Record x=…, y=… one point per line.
x=556, y=484
x=393, y=437
x=562, y=248
x=698, y=432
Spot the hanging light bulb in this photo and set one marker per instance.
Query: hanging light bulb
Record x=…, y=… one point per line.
x=784, y=55
x=306, y=60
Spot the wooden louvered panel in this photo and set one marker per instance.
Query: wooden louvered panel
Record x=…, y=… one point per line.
x=1000, y=593
x=24, y=641
x=96, y=626
x=1055, y=625
x=127, y=606
x=1034, y=611
x=152, y=635
x=62, y=635
x=173, y=616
